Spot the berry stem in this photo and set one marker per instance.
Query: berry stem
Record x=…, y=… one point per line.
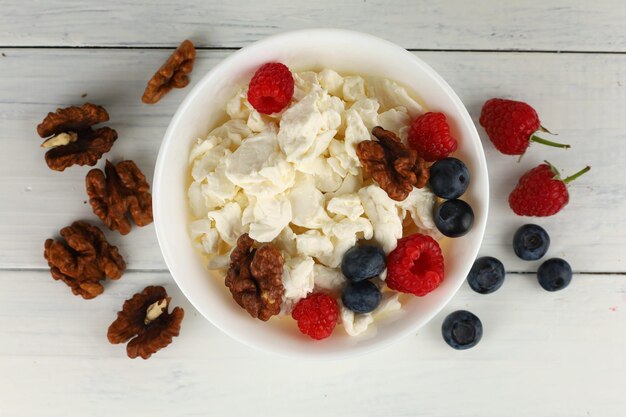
x=543, y=141
x=576, y=175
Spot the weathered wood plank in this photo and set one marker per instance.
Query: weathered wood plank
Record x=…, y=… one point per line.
x=539, y=352
x=456, y=24
x=579, y=95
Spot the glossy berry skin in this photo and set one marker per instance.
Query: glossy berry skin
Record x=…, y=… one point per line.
x=316, y=315
x=429, y=135
x=363, y=262
x=487, y=275
x=531, y=242
x=361, y=297
x=454, y=218
x=271, y=88
x=449, y=178
x=509, y=124
x=539, y=192
x=462, y=330
x=415, y=266
x=554, y=274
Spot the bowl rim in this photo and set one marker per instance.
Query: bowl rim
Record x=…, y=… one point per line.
x=165, y=248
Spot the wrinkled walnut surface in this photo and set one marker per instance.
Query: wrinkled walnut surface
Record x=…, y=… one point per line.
x=395, y=167
x=119, y=190
x=146, y=338
x=90, y=145
x=173, y=73
x=254, y=278
x=85, y=259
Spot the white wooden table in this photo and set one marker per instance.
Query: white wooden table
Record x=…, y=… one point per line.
x=542, y=354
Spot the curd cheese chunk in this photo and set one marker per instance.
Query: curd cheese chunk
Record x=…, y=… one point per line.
x=384, y=215
x=389, y=94
x=396, y=120
x=303, y=83
x=348, y=205
x=419, y=203
x=307, y=204
x=299, y=126
x=356, y=132
x=313, y=243
x=331, y=81
x=228, y=222
x=353, y=88
x=197, y=203
x=355, y=324
x=239, y=107
x=217, y=188
x=270, y=215
x=286, y=242
x=205, y=237
x=233, y=132
x=367, y=109
x=326, y=179
x=328, y=278
x=344, y=235
x=298, y=278
x=258, y=167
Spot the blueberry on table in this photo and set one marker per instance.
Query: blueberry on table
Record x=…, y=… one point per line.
x=449, y=178
x=361, y=297
x=462, y=330
x=531, y=242
x=554, y=274
x=363, y=262
x=454, y=218
x=486, y=275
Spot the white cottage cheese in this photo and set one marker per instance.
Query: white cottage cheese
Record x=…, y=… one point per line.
x=294, y=179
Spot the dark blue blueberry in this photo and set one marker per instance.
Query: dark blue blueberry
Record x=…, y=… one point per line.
x=554, y=274
x=363, y=262
x=454, y=218
x=449, y=178
x=462, y=330
x=531, y=242
x=361, y=297
x=486, y=275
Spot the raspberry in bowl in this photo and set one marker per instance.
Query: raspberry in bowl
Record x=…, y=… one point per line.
x=297, y=175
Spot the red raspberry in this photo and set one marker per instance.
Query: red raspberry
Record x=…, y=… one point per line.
x=316, y=315
x=271, y=88
x=541, y=192
x=511, y=126
x=415, y=266
x=430, y=136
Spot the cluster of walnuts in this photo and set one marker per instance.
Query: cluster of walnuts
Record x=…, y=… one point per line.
x=83, y=258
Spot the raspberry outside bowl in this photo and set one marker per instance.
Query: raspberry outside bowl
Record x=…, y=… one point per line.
x=349, y=53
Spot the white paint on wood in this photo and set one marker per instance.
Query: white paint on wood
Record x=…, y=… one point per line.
x=580, y=96
x=542, y=354
x=422, y=24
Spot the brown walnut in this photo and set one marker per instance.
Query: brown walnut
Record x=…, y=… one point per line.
x=254, y=278
x=171, y=74
x=71, y=137
x=120, y=189
x=145, y=319
x=85, y=259
x=395, y=167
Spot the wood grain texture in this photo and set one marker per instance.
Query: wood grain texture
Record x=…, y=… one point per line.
x=542, y=354
x=423, y=24
x=581, y=96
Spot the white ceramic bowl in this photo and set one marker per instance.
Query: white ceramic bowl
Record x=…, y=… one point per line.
x=345, y=52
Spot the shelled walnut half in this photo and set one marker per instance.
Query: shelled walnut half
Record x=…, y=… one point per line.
x=173, y=73
x=70, y=138
x=145, y=319
x=120, y=190
x=395, y=167
x=85, y=259
x=254, y=278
